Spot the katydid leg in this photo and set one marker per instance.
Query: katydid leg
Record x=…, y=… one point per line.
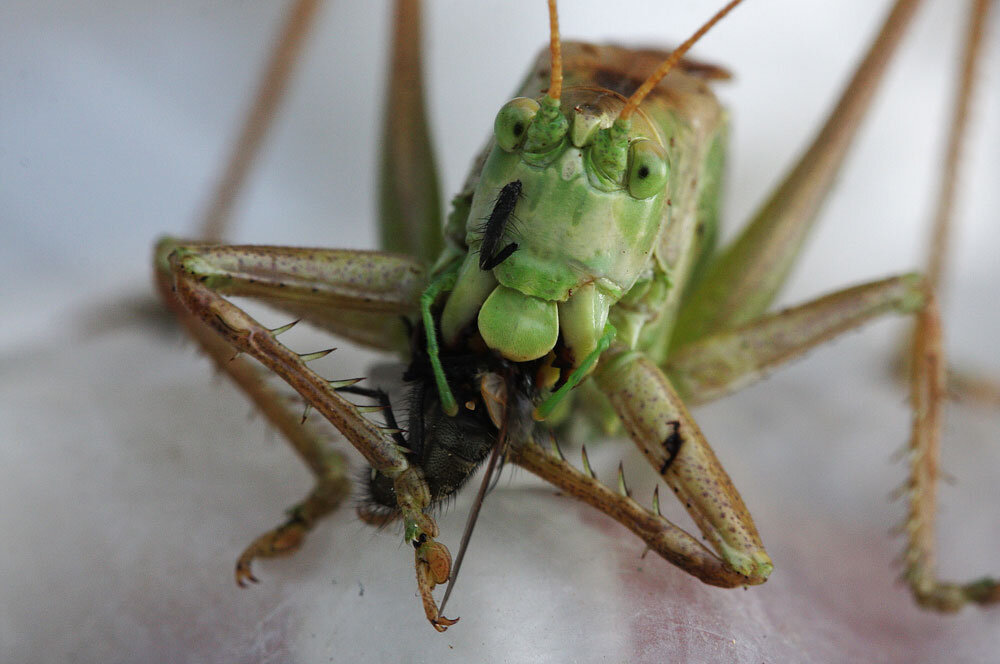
x=724, y=362
x=409, y=196
x=670, y=541
x=962, y=384
x=973, y=387
x=941, y=228
x=331, y=488
x=360, y=295
x=720, y=363
x=270, y=92
x=329, y=466
x=743, y=281
x=659, y=423
x=194, y=284
x=927, y=392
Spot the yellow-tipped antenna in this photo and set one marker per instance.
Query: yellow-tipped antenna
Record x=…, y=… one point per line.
x=668, y=64
x=555, y=48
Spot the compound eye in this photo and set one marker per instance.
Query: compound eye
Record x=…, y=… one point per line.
x=511, y=125
x=647, y=169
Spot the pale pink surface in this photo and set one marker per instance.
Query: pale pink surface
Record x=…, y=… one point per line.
x=141, y=485
x=129, y=480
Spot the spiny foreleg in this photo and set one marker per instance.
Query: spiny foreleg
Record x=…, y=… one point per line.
x=659, y=534
x=193, y=278
x=663, y=429
x=327, y=465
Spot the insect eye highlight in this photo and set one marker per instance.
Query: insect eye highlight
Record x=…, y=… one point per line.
x=511, y=125
x=647, y=169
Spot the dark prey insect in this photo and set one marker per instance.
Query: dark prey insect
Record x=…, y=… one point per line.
x=448, y=449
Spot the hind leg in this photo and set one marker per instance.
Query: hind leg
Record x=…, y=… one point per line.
x=720, y=363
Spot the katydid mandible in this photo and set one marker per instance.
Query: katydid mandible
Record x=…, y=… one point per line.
x=576, y=276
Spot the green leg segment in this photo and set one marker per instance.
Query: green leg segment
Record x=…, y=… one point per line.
x=409, y=198
x=727, y=361
x=361, y=295
x=744, y=280
x=545, y=408
x=442, y=283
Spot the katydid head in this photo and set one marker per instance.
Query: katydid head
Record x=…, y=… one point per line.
x=593, y=175
x=547, y=222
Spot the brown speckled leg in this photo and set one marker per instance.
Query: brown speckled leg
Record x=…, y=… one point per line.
x=661, y=426
x=328, y=465
x=331, y=489
x=927, y=387
x=662, y=536
x=359, y=295
x=194, y=278
x=257, y=122
x=928, y=375
x=728, y=360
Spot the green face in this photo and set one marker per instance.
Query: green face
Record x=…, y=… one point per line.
x=568, y=231
x=575, y=222
x=590, y=208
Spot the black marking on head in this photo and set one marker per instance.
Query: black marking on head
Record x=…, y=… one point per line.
x=490, y=254
x=672, y=444
x=498, y=258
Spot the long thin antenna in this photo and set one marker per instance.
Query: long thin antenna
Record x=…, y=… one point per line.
x=470, y=523
x=555, y=48
x=668, y=64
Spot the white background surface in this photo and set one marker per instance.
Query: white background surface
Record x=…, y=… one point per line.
x=130, y=480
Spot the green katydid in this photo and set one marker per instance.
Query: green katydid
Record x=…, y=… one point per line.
x=609, y=278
